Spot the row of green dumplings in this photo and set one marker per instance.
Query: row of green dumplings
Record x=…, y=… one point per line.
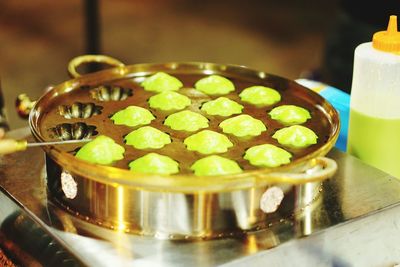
x=191, y=121
x=209, y=142
x=166, y=84
x=242, y=125
x=103, y=150
x=166, y=99
x=211, y=85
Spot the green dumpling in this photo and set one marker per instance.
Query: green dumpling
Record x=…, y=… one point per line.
x=154, y=163
x=208, y=142
x=260, y=95
x=296, y=136
x=267, y=156
x=290, y=114
x=161, y=82
x=243, y=125
x=186, y=120
x=222, y=106
x=101, y=150
x=147, y=137
x=215, y=165
x=214, y=85
x=133, y=116
x=169, y=100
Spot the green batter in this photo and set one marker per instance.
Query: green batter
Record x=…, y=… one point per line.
x=160, y=82
x=375, y=141
x=208, y=142
x=101, y=150
x=154, y=163
x=147, y=137
x=215, y=165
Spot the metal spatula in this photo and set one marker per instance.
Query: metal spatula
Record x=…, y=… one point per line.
x=8, y=146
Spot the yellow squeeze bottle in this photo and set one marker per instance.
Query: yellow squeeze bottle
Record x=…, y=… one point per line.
x=374, y=124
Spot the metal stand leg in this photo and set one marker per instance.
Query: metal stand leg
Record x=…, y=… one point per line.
x=92, y=27
x=3, y=122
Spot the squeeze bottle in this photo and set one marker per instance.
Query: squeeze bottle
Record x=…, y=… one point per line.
x=374, y=123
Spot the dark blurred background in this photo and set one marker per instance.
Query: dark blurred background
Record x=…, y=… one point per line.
x=38, y=38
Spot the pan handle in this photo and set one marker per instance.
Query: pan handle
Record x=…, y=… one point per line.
x=24, y=105
x=314, y=170
x=85, y=59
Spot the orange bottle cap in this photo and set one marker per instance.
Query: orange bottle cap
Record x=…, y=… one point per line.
x=389, y=40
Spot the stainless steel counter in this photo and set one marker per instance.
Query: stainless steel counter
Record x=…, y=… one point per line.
x=354, y=222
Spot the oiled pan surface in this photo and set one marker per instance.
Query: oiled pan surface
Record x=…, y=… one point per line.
x=324, y=119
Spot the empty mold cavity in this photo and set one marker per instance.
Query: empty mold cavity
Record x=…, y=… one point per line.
x=79, y=110
x=110, y=93
x=73, y=131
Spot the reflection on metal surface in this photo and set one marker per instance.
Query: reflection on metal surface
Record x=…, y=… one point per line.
x=120, y=210
x=310, y=196
x=28, y=241
x=178, y=216
x=169, y=215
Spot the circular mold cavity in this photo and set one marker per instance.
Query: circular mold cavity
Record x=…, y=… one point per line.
x=73, y=131
x=79, y=110
x=110, y=93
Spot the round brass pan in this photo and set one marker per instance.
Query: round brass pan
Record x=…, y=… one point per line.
x=181, y=206
x=329, y=121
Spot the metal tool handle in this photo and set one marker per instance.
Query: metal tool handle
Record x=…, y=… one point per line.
x=315, y=170
x=8, y=146
x=11, y=145
x=85, y=59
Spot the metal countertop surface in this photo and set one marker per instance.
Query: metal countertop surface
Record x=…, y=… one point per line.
x=354, y=222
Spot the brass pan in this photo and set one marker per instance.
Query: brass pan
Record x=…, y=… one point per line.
x=181, y=205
